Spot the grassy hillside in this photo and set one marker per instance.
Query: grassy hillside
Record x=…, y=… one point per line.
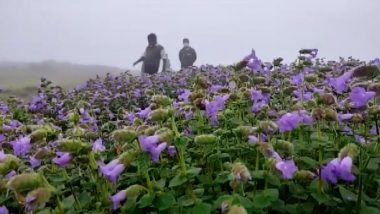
x=22, y=79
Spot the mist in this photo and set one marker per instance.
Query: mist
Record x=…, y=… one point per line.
x=222, y=32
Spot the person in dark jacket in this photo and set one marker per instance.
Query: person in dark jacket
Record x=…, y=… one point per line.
x=187, y=54
x=152, y=56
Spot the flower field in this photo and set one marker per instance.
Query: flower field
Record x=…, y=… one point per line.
x=254, y=137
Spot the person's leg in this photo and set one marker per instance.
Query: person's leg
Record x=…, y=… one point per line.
x=151, y=69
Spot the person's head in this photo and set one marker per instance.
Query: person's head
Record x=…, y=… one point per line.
x=186, y=42
x=152, y=39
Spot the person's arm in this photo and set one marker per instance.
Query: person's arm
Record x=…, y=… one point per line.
x=139, y=60
x=164, y=57
x=180, y=55
x=195, y=55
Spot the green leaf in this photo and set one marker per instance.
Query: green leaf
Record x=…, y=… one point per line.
x=165, y=201
x=245, y=202
x=369, y=210
x=222, y=178
x=186, y=201
x=261, y=201
x=84, y=199
x=272, y=194
x=68, y=202
x=323, y=199
x=297, y=191
x=259, y=174
x=146, y=200
x=373, y=164
x=201, y=208
x=194, y=171
x=177, y=180
x=273, y=179
x=347, y=195
x=311, y=163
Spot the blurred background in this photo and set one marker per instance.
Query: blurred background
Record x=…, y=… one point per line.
x=70, y=41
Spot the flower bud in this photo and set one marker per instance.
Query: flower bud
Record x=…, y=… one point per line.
x=318, y=114
x=369, y=71
x=328, y=99
x=350, y=150
x=124, y=135
x=128, y=157
x=153, y=106
x=71, y=145
x=240, y=172
x=9, y=163
x=268, y=126
x=195, y=95
x=304, y=175
x=39, y=196
x=158, y=115
x=311, y=78
x=331, y=115
x=237, y=209
x=43, y=153
x=161, y=100
x=374, y=87
x=244, y=131
x=357, y=118
x=199, y=104
x=150, y=130
x=165, y=134
x=25, y=182
x=265, y=89
x=289, y=90
x=258, y=80
x=245, y=78
x=374, y=110
x=135, y=191
x=285, y=148
x=38, y=135
x=205, y=139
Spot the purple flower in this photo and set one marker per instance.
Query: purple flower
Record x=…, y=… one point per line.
x=34, y=162
x=2, y=138
x=112, y=170
x=172, y=151
x=287, y=168
x=2, y=156
x=21, y=146
x=373, y=130
x=338, y=169
x=254, y=63
x=143, y=114
x=344, y=117
x=359, y=97
x=340, y=83
x=359, y=139
x=118, y=198
x=3, y=210
x=149, y=144
x=288, y=122
x=297, y=79
x=306, y=95
x=10, y=175
x=62, y=159
x=98, y=146
x=184, y=96
x=259, y=100
x=253, y=139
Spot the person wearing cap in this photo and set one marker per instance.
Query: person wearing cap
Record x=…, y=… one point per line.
x=187, y=55
x=152, y=56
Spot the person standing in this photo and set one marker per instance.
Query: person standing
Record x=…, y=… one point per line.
x=187, y=55
x=152, y=56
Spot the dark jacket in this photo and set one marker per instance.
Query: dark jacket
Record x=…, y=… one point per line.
x=187, y=56
x=153, y=56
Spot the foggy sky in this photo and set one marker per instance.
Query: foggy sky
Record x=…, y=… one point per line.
x=113, y=32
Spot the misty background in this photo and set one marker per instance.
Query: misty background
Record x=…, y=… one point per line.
x=113, y=33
